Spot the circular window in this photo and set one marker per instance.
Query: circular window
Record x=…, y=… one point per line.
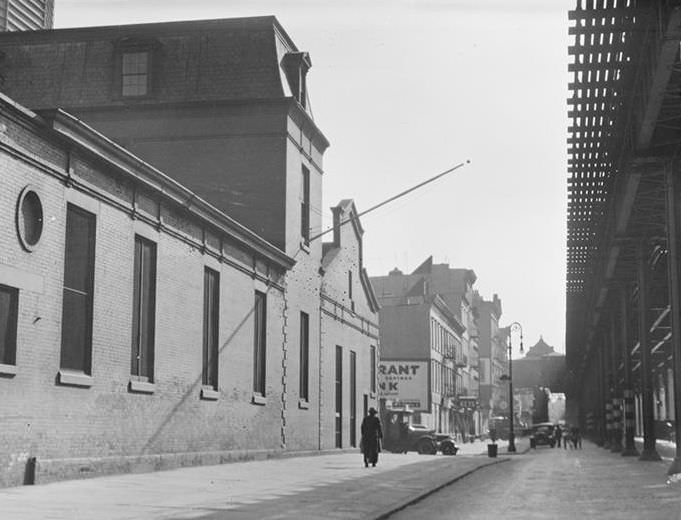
x=29, y=218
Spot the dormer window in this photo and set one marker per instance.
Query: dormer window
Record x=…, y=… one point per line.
x=135, y=73
x=135, y=65
x=296, y=65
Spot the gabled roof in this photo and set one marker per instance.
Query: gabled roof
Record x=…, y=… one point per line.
x=345, y=214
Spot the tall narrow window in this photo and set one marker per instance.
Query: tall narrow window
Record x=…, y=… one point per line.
x=259, y=345
x=211, y=327
x=79, y=272
x=305, y=206
x=9, y=303
x=135, y=73
x=352, y=302
x=372, y=354
x=353, y=399
x=304, y=356
x=339, y=397
x=144, y=310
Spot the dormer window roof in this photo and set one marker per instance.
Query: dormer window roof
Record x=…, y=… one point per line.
x=296, y=65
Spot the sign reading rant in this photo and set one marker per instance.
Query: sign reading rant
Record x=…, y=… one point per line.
x=404, y=382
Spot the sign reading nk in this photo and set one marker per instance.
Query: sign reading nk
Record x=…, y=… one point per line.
x=405, y=383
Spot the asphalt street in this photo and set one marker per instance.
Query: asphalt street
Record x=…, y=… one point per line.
x=555, y=484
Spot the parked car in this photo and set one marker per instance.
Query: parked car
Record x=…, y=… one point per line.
x=541, y=434
x=400, y=435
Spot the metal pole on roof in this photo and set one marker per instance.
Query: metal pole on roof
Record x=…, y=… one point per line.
x=394, y=197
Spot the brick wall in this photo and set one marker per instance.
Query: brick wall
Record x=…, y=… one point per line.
x=78, y=431
x=351, y=324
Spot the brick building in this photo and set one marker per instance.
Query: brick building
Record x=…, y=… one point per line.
x=420, y=330
x=222, y=107
x=349, y=333
x=455, y=288
x=493, y=361
x=129, y=311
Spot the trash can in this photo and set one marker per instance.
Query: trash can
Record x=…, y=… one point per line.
x=533, y=442
x=491, y=450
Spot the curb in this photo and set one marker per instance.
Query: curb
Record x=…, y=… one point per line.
x=398, y=506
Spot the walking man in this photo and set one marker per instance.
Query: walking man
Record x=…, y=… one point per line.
x=371, y=438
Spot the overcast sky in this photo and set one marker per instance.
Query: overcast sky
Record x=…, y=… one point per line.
x=407, y=89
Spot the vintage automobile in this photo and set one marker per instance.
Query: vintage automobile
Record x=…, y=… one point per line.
x=541, y=434
x=401, y=435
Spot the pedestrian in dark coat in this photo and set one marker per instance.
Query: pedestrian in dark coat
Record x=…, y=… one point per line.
x=371, y=438
x=558, y=434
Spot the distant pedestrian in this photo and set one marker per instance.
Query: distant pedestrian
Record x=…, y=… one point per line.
x=558, y=434
x=567, y=439
x=371, y=438
x=576, y=437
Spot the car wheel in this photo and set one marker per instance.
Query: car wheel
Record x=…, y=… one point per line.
x=449, y=449
x=426, y=447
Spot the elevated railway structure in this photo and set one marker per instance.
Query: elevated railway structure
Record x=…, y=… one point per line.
x=623, y=335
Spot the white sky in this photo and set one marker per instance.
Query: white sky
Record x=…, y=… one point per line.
x=405, y=90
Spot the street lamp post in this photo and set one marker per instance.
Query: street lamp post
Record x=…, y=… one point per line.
x=514, y=327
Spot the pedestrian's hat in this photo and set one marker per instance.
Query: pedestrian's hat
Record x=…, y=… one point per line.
x=372, y=411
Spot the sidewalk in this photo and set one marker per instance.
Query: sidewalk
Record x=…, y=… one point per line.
x=324, y=486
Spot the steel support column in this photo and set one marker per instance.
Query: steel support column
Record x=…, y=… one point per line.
x=628, y=391
x=603, y=429
x=649, y=451
x=615, y=393
x=675, y=303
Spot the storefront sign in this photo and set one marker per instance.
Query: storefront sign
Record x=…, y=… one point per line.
x=405, y=383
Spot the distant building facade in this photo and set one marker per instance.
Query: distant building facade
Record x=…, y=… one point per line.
x=455, y=288
x=493, y=359
x=421, y=354
x=222, y=108
x=535, y=377
x=26, y=15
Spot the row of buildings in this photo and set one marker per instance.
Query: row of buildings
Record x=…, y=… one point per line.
x=165, y=296
x=433, y=318
x=623, y=334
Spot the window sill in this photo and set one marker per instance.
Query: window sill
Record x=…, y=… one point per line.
x=259, y=399
x=8, y=370
x=372, y=395
x=74, y=378
x=303, y=404
x=142, y=387
x=209, y=394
